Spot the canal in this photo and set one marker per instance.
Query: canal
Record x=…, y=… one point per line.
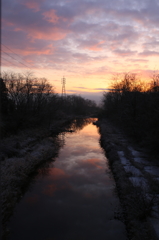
x=72, y=198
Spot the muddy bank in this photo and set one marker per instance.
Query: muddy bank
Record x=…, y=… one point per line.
x=137, y=182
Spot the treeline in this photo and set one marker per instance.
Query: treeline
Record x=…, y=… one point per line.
x=27, y=101
x=134, y=107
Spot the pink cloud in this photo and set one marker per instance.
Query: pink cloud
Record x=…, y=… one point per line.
x=32, y=4
x=36, y=32
x=32, y=51
x=17, y=29
x=51, y=16
x=124, y=53
x=54, y=33
x=6, y=22
x=92, y=46
x=31, y=25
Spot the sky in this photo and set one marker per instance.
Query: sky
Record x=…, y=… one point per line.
x=86, y=41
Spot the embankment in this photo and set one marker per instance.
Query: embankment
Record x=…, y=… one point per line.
x=137, y=182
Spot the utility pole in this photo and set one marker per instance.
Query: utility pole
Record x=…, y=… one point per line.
x=63, y=82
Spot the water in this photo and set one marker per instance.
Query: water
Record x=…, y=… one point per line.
x=73, y=198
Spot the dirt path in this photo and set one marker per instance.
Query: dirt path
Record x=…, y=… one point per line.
x=137, y=181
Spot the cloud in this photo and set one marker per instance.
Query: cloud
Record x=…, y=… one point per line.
x=151, y=44
x=101, y=89
x=82, y=38
x=32, y=5
x=81, y=87
x=137, y=60
x=92, y=45
x=125, y=53
x=148, y=53
x=36, y=25
x=51, y=16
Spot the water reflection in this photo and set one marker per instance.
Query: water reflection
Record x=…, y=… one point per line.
x=74, y=200
x=80, y=123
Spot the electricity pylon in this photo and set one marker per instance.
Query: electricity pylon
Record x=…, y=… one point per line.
x=63, y=81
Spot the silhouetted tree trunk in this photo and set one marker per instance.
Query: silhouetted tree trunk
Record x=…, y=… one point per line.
x=3, y=98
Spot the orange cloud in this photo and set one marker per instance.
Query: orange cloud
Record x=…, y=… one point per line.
x=51, y=16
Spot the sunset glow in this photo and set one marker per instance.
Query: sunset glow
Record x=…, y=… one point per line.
x=86, y=41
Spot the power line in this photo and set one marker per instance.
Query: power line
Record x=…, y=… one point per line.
x=14, y=53
x=15, y=59
x=21, y=58
x=11, y=51
x=9, y=61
